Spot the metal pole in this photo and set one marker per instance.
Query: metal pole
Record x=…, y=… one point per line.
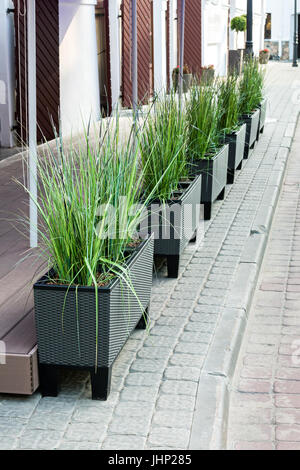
x=295, y=59
x=134, y=59
x=32, y=121
x=249, y=42
x=181, y=62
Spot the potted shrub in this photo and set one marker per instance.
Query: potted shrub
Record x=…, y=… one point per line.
x=264, y=56
x=186, y=78
x=250, y=96
x=234, y=133
x=207, y=75
x=174, y=212
x=238, y=25
x=97, y=289
x=207, y=153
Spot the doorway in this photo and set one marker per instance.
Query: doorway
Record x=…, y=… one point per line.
x=298, y=36
x=102, y=50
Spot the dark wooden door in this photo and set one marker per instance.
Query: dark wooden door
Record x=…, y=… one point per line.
x=193, y=34
x=298, y=37
x=48, y=82
x=145, y=63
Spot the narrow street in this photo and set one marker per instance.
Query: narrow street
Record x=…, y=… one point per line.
x=265, y=396
x=172, y=386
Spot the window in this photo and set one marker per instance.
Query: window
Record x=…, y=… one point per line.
x=268, y=26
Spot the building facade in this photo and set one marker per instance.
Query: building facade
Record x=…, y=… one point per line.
x=279, y=34
x=84, y=55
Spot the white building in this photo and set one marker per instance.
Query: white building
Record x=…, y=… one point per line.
x=90, y=48
x=217, y=35
x=280, y=32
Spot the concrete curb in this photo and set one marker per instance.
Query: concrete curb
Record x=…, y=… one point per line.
x=209, y=430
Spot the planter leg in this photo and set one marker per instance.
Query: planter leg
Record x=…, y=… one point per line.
x=207, y=210
x=230, y=177
x=144, y=321
x=246, y=152
x=173, y=266
x=240, y=166
x=48, y=380
x=194, y=238
x=101, y=383
x=221, y=195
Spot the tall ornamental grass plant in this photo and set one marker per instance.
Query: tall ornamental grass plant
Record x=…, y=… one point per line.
x=203, y=118
x=163, y=148
x=251, y=86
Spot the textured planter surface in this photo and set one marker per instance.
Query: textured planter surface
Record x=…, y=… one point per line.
x=207, y=76
x=263, y=113
x=175, y=223
x=236, y=142
x=252, y=122
x=235, y=60
x=186, y=81
x=214, y=174
x=119, y=314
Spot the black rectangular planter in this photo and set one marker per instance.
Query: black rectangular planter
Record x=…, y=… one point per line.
x=262, y=118
x=175, y=223
x=214, y=178
x=252, y=122
x=66, y=323
x=236, y=142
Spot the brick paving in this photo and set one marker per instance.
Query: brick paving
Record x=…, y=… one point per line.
x=265, y=399
x=156, y=377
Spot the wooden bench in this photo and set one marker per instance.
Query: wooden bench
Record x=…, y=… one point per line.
x=18, y=366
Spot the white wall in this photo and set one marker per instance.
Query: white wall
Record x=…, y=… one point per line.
x=214, y=28
x=7, y=74
x=79, y=79
x=238, y=8
x=282, y=12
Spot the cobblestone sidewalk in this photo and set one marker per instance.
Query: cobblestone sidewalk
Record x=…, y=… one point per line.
x=157, y=378
x=265, y=399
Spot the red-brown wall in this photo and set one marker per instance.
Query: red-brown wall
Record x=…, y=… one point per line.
x=193, y=34
x=145, y=80
x=48, y=89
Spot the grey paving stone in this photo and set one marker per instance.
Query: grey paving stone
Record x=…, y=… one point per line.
x=93, y=414
x=179, y=387
x=175, y=438
x=143, y=379
x=182, y=373
x=143, y=394
x=176, y=402
x=154, y=353
x=90, y=432
x=173, y=419
x=132, y=409
x=137, y=426
x=119, y=442
x=191, y=348
x=40, y=440
x=52, y=422
x=147, y=365
x=187, y=360
x=11, y=427
x=196, y=337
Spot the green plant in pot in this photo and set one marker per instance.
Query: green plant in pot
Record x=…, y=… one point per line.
x=207, y=153
x=164, y=166
x=235, y=57
x=251, y=94
x=97, y=289
x=232, y=130
x=239, y=25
